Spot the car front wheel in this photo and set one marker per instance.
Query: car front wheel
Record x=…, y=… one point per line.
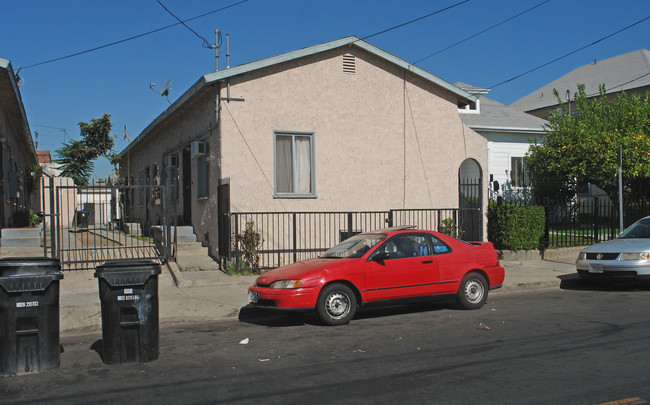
x=336, y=304
x=473, y=291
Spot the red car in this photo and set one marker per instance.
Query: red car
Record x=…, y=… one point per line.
x=382, y=265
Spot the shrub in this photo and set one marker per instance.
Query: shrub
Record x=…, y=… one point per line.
x=250, y=241
x=515, y=227
x=23, y=218
x=448, y=227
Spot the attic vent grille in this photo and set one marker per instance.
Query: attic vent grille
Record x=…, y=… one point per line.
x=349, y=64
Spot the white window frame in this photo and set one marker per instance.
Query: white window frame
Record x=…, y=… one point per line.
x=467, y=109
x=312, y=148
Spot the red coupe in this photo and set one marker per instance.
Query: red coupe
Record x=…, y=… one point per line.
x=382, y=265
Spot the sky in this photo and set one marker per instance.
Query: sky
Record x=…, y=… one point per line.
x=116, y=79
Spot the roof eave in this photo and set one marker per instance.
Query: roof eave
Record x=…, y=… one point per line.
x=26, y=131
x=480, y=128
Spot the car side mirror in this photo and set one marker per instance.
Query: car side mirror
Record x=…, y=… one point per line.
x=380, y=256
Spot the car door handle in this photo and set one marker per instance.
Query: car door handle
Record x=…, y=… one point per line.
x=427, y=261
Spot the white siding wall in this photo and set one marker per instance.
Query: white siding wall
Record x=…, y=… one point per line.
x=499, y=154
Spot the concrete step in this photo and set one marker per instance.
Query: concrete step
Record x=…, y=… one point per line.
x=197, y=263
x=30, y=241
x=191, y=249
x=185, y=238
x=20, y=232
x=184, y=234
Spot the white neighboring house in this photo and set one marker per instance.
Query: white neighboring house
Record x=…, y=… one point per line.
x=508, y=132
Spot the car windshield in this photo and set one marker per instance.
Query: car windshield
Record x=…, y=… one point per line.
x=354, y=247
x=639, y=229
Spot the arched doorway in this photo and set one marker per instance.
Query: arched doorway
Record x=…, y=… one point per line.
x=470, y=200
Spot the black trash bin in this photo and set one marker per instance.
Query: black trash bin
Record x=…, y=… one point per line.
x=82, y=219
x=128, y=291
x=29, y=315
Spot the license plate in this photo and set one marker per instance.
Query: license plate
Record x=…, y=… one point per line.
x=595, y=268
x=253, y=297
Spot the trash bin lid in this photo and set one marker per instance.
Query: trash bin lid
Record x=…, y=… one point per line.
x=22, y=274
x=122, y=273
x=29, y=266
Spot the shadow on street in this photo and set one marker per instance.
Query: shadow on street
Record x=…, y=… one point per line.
x=577, y=283
x=279, y=318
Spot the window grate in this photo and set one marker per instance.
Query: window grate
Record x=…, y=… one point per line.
x=349, y=64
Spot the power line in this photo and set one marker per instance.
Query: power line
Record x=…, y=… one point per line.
x=206, y=44
x=412, y=21
x=134, y=37
x=620, y=85
x=570, y=53
x=481, y=32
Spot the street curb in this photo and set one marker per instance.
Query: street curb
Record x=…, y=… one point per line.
x=175, y=273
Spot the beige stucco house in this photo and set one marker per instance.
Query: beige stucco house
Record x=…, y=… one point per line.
x=17, y=154
x=341, y=126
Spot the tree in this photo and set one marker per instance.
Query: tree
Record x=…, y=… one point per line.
x=76, y=158
x=583, y=146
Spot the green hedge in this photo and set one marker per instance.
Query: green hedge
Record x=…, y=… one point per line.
x=24, y=218
x=515, y=227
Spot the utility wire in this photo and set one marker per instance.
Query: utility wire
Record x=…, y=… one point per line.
x=481, y=32
x=620, y=85
x=570, y=53
x=133, y=37
x=412, y=21
x=206, y=44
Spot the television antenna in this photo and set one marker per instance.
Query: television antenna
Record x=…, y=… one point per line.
x=164, y=91
x=126, y=136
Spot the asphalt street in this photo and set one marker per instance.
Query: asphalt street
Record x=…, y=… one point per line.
x=576, y=344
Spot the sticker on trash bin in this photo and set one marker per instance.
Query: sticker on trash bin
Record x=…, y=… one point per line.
x=28, y=304
x=128, y=297
x=128, y=291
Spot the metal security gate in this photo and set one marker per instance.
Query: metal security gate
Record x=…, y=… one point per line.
x=470, y=221
x=86, y=226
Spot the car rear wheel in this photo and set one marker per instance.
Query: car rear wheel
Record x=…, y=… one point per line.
x=473, y=291
x=336, y=304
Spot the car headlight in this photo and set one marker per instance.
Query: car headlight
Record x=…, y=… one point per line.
x=582, y=256
x=635, y=256
x=286, y=284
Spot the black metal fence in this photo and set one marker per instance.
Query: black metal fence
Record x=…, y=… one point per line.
x=262, y=240
x=588, y=220
x=86, y=226
x=581, y=222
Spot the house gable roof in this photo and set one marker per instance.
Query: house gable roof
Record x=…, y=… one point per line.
x=497, y=117
x=215, y=77
x=620, y=73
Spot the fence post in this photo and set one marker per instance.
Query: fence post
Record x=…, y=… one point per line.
x=236, y=242
x=596, y=215
x=295, y=239
x=349, y=233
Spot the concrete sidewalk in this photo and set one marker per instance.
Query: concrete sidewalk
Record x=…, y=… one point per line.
x=212, y=295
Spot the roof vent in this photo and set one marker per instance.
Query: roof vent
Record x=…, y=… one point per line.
x=349, y=64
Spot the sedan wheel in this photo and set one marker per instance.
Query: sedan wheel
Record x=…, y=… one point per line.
x=336, y=304
x=473, y=291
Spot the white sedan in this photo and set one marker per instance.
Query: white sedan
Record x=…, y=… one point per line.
x=626, y=257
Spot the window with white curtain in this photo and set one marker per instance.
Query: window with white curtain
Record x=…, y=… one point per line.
x=294, y=164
